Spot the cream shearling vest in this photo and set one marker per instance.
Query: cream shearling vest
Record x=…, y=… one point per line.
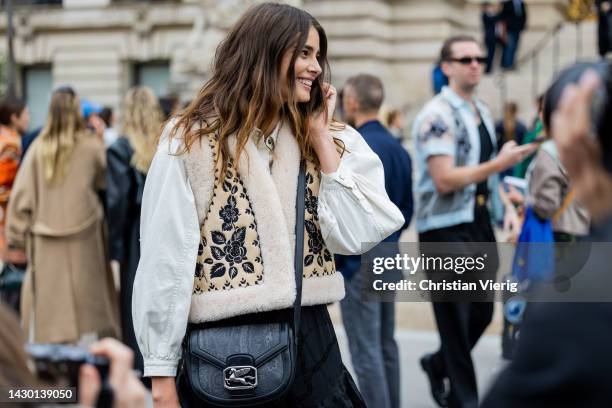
x=247, y=220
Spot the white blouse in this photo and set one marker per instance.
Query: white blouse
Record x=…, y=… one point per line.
x=354, y=211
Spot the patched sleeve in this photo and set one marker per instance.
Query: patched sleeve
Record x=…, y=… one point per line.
x=433, y=136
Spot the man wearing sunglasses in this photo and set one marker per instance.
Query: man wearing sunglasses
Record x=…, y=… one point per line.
x=457, y=185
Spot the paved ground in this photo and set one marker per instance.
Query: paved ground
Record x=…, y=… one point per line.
x=413, y=344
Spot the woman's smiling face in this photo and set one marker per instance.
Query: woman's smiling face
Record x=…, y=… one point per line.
x=306, y=68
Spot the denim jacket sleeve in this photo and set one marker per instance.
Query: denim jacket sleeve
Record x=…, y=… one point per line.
x=163, y=285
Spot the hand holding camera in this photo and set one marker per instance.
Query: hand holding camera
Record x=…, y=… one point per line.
x=104, y=376
x=127, y=390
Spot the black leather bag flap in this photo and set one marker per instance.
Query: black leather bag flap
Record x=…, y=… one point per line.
x=265, y=341
x=256, y=366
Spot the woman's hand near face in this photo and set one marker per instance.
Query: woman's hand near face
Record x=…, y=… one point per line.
x=320, y=137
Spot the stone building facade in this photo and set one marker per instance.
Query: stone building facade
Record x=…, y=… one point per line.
x=102, y=47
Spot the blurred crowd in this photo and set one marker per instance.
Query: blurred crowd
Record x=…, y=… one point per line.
x=70, y=203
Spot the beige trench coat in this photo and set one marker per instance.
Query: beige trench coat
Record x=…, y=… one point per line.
x=68, y=290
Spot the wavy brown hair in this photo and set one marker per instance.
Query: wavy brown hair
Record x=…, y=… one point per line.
x=244, y=92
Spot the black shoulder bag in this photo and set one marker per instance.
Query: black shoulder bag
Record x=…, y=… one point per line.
x=247, y=360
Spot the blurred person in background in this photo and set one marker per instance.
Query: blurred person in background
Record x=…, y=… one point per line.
x=170, y=104
x=110, y=133
x=395, y=123
x=458, y=165
x=370, y=325
x=536, y=132
x=563, y=357
x=15, y=372
x=510, y=128
x=14, y=122
x=604, y=26
x=56, y=216
x=438, y=78
x=550, y=192
x=490, y=23
x=514, y=17
x=91, y=112
x=129, y=159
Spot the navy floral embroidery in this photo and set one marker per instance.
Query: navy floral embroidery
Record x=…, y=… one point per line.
x=232, y=251
x=315, y=244
x=229, y=213
x=224, y=262
x=318, y=261
x=312, y=203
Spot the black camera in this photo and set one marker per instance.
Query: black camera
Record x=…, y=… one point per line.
x=59, y=364
x=601, y=107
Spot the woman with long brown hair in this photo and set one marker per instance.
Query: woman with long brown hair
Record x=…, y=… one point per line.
x=55, y=214
x=129, y=159
x=219, y=206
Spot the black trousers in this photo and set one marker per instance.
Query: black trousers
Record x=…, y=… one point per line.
x=461, y=324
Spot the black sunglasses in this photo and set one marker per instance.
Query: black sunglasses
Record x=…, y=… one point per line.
x=468, y=60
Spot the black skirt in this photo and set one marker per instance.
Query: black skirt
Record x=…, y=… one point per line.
x=321, y=379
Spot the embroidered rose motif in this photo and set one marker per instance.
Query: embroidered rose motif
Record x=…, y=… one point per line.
x=229, y=214
x=315, y=239
x=311, y=202
x=315, y=244
x=233, y=251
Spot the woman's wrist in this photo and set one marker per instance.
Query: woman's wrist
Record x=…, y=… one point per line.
x=161, y=385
